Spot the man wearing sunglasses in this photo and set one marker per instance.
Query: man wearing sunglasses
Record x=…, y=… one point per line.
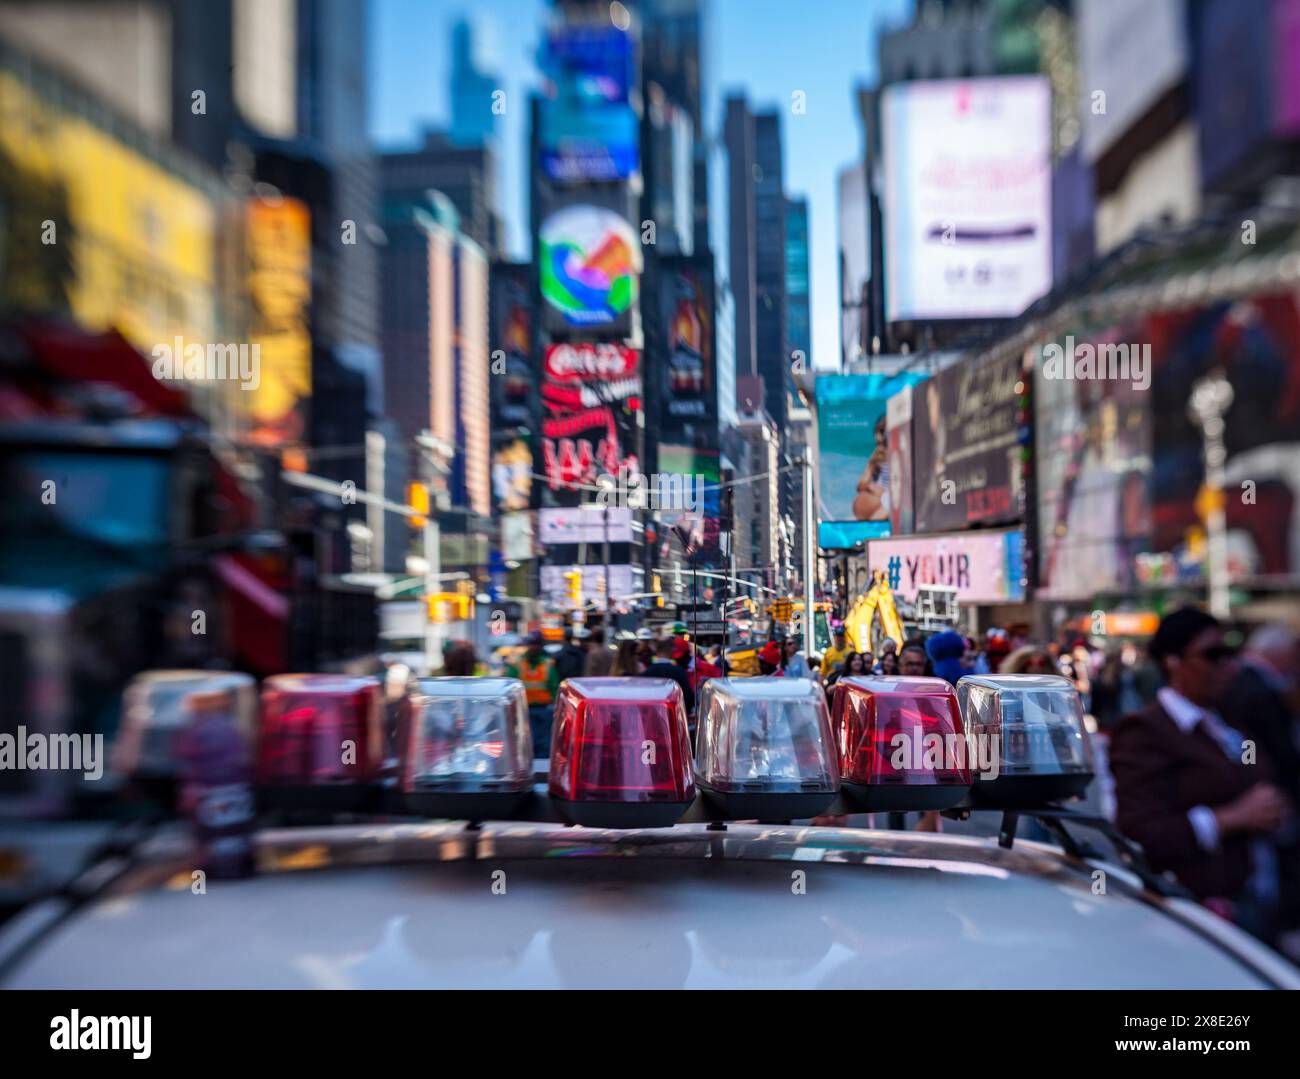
x=1196, y=794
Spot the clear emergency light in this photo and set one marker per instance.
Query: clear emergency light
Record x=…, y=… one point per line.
x=621, y=753
x=319, y=741
x=155, y=714
x=902, y=744
x=467, y=748
x=1031, y=725
x=764, y=748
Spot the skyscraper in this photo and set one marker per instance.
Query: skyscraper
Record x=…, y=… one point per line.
x=467, y=175
x=435, y=283
x=772, y=341
x=473, y=120
x=797, y=307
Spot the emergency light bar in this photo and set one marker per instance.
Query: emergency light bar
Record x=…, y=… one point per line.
x=902, y=744
x=156, y=713
x=1033, y=726
x=467, y=748
x=620, y=753
x=764, y=749
x=319, y=742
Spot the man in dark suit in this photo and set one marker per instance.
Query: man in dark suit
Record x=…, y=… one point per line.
x=1201, y=803
x=1260, y=704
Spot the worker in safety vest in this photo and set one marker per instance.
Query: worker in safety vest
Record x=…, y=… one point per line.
x=541, y=684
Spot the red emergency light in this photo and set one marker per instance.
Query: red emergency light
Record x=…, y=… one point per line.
x=902, y=744
x=320, y=741
x=621, y=753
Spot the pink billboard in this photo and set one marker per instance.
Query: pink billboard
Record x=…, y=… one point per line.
x=984, y=567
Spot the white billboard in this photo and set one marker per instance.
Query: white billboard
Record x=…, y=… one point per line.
x=624, y=582
x=1130, y=53
x=968, y=205
x=586, y=524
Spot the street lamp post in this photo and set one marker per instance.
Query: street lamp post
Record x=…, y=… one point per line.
x=1211, y=398
x=809, y=558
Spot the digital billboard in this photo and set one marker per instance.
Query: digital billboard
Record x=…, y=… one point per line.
x=984, y=567
x=279, y=290
x=512, y=474
x=513, y=384
x=1118, y=491
x=700, y=468
x=586, y=524
x=966, y=446
x=967, y=197
x=589, y=130
x=591, y=396
x=590, y=263
x=688, y=374
x=853, y=474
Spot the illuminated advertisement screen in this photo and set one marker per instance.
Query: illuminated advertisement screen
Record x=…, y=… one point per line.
x=1121, y=462
x=279, y=289
x=591, y=394
x=688, y=377
x=589, y=131
x=590, y=260
x=853, y=462
x=967, y=197
x=513, y=386
x=966, y=446
x=694, y=472
x=984, y=567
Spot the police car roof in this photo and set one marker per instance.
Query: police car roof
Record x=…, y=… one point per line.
x=536, y=905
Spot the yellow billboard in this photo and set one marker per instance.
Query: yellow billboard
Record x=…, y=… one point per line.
x=278, y=238
x=100, y=230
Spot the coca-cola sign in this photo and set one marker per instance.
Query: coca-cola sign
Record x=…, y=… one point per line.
x=586, y=361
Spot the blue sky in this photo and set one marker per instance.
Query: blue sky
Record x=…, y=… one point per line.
x=766, y=48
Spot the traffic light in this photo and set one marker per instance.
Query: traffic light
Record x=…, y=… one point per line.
x=449, y=606
x=657, y=589
x=573, y=578
x=417, y=499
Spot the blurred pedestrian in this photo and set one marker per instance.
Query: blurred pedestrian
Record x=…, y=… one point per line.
x=769, y=660
x=1031, y=659
x=571, y=659
x=536, y=671
x=855, y=663
x=1261, y=703
x=996, y=648
x=1201, y=804
x=645, y=646
x=793, y=660
x=460, y=661
x=1127, y=682
x=665, y=666
x=888, y=664
x=912, y=660
x=945, y=650
x=600, y=658
x=627, y=660
x=833, y=657
x=702, y=670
